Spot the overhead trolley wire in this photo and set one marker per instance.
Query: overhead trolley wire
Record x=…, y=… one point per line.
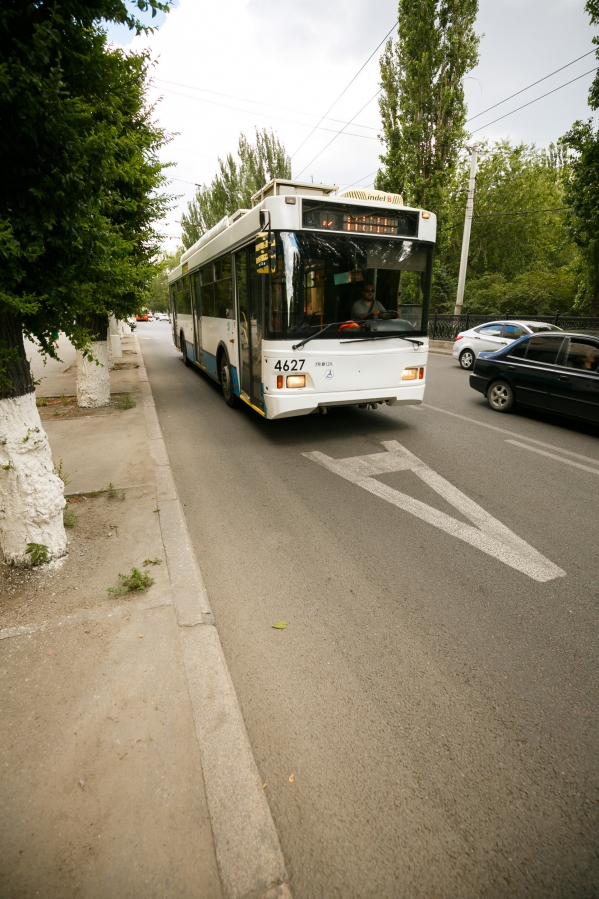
x=268, y=116
x=337, y=135
x=511, y=97
x=344, y=91
x=535, y=100
x=205, y=90
x=515, y=95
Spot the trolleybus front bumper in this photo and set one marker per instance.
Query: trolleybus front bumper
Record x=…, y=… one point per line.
x=298, y=402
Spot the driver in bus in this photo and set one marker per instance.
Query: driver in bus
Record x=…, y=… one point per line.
x=367, y=306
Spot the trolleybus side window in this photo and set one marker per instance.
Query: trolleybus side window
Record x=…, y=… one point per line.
x=223, y=288
x=183, y=296
x=207, y=288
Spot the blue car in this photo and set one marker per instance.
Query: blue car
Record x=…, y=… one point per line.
x=555, y=372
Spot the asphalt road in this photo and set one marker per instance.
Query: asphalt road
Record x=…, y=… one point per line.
x=426, y=725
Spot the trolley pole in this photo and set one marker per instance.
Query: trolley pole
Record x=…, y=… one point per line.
x=467, y=229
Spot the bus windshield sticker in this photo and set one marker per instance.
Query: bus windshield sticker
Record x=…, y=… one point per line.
x=348, y=277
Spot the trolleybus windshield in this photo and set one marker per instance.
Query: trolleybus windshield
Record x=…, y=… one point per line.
x=376, y=283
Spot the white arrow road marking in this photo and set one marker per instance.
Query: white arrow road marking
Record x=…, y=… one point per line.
x=488, y=534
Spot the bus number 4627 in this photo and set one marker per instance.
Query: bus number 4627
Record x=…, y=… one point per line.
x=289, y=365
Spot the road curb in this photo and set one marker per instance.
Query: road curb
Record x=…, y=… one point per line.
x=248, y=852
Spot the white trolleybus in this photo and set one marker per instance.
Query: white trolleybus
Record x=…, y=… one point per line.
x=311, y=299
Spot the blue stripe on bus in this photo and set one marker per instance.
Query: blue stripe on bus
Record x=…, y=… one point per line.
x=235, y=379
x=210, y=363
x=191, y=353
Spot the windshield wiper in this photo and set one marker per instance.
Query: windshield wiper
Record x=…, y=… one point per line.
x=385, y=337
x=296, y=346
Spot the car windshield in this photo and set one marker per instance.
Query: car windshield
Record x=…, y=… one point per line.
x=358, y=282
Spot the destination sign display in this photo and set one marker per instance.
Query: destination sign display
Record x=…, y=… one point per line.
x=359, y=220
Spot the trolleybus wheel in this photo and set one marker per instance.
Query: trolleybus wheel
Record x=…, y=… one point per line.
x=184, y=348
x=226, y=382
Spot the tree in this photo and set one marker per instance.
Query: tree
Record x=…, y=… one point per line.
x=581, y=186
x=78, y=202
x=235, y=183
x=522, y=258
x=422, y=103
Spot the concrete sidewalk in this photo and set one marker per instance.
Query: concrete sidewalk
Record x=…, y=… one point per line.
x=127, y=769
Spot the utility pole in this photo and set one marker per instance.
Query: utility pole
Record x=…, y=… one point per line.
x=467, y=228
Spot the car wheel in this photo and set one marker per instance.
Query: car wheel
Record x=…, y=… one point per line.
x=183, y=345
x=226, y=382
x=467, y=359
x=500, y=396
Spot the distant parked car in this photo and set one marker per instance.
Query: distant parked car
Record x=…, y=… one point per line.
x=492, y=336
x=555, y=372
x=161, y=317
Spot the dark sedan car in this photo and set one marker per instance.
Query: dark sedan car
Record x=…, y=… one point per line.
x=555, y=372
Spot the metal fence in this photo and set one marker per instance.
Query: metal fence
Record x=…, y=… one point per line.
x=447, y=327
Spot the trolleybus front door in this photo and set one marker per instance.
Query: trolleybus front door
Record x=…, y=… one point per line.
x=250, y=318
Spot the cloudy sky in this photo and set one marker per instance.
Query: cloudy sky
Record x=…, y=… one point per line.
x=234, y=65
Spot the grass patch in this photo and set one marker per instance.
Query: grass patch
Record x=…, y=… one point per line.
x=152, y=561
x=126, y=402
x=135, y=582
x=61, y=473
x=70, y=518
x=113, y=493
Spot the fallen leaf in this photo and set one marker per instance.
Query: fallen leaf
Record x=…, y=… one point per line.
x=291, y=778
x=141, y=636
x=265, y=784
x=280, y=625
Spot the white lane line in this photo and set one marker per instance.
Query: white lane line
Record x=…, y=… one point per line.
x=483, y=424
x=487, y=534
x=534, y=449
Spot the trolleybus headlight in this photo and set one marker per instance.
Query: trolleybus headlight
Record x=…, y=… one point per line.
x=409, y=374
x=296, y=380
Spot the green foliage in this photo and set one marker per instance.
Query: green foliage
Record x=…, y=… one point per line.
x=158, y=299
x=238, y=178
x=79, y=193
x=126, y=402
x=422, y=104
x=38, y=552
x=581, y=186
x=131, y=583
x=61, y=473
x=592, y=7
x=518, y=263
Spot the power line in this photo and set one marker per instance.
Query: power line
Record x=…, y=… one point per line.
x=337, y=135
x=535, y=100
x=511, y=97
x=344, y=90
x=205, y=90
x=534, y=83
x=267, y=115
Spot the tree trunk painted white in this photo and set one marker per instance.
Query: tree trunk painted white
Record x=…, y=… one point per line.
x=93, y=381
x=109, y=352
x=115, y=339
x=124, y=328
x=31, y=495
